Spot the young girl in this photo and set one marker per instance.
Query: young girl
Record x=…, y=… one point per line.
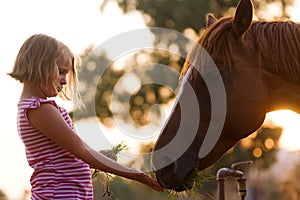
x=59, y=157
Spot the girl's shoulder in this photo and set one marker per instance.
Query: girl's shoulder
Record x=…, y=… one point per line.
x=35, y=102
x=32, y=103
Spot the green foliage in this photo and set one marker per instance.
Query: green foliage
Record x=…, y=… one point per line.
x=89, y=76
x=181, y=14
x=100, y=73
x=176, y=14
x=98, y=82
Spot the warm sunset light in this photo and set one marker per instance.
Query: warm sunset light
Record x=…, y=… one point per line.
x=81, y=24
x=290, y=122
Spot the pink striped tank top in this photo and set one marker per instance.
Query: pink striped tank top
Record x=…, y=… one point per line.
x=57, y=174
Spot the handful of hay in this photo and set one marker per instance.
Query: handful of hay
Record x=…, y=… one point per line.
x=116, y=149
x=194, y=179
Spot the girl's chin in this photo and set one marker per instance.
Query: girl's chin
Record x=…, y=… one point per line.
x=54, y=94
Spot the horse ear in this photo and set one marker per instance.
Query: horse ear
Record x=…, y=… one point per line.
x=210, y=19
x=243, y=17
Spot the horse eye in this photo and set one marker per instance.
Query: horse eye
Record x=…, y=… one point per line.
x=191, y=76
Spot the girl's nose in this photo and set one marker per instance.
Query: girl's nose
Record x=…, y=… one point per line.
x=63, y=80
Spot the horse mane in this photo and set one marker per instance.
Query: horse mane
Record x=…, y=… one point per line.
x=280, y=43
x=277, y=44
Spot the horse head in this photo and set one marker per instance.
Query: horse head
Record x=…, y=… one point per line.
x=198, y=130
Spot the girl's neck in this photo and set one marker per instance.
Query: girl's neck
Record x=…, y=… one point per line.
x=30, y=90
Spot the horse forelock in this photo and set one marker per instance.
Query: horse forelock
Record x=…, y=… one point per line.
x=277, y=46
x=212, y=41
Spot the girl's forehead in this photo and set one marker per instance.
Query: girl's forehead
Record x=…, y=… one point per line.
x=64, y=61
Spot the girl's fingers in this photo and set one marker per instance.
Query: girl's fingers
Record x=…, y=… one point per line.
x=151, y=182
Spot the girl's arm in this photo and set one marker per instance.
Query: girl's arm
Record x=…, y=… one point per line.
x=49, y=121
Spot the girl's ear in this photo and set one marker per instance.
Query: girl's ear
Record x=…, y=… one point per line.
x=243, y=17
x=210, y=19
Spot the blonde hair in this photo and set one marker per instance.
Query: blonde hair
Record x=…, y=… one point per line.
x=36, y=63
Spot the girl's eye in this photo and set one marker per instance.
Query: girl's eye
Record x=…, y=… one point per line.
x=61, y=71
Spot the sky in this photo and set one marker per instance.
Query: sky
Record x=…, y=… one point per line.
x=78, y=24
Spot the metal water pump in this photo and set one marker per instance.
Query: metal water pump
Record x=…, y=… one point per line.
x=223, y=173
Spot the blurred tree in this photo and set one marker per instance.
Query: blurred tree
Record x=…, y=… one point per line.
x=184, y=16
x=282, y=3
x=177, y=15
x=98, y=79
x=91, y=75
x=3, y=195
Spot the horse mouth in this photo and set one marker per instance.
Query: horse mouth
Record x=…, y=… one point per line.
x=188, y=182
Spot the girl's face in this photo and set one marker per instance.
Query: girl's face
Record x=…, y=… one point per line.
x=64, y=66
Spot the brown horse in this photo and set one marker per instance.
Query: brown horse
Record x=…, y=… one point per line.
x=253, y=68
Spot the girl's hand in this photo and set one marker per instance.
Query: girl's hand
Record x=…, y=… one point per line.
x=147, y=180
